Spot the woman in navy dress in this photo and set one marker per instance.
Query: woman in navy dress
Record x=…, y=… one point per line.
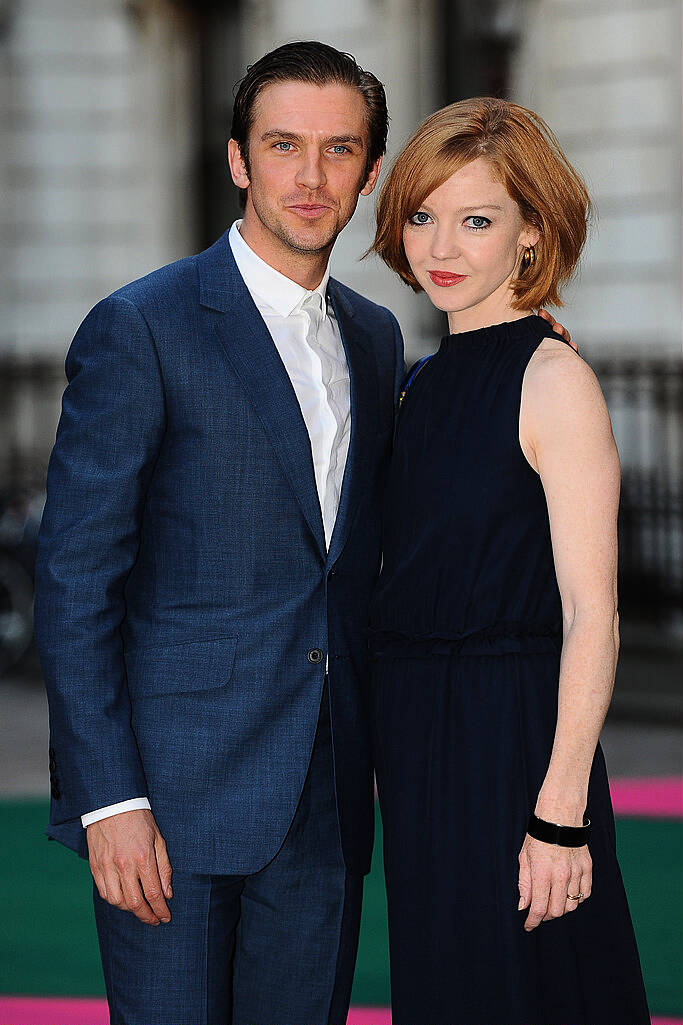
x=494, y=624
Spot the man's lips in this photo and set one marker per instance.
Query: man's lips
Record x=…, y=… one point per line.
x=308, y=209
x=445, y=280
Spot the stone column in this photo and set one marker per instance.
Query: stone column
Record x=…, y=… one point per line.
x=97, y=158
x=606, y=76
x=99, y=142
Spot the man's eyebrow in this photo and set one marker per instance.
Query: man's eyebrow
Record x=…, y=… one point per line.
x=280, y=133
x=330, y=140
x=336, y=140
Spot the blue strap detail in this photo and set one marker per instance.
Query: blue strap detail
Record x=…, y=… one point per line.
x=415, y=370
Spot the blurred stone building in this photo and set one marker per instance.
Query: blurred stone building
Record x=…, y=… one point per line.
x=100, y=135
x=115, y=115
x=607, y=77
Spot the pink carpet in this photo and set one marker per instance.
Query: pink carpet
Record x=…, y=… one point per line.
x=659, y=797
x=47, y=1011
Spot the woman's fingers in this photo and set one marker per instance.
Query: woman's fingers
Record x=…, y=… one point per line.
x=524, y=883
x=549, y=877
x=534, y=884
x=586, y=874
x=574, y=890
x=540, y=894
x=541, y=884
x=557, y=902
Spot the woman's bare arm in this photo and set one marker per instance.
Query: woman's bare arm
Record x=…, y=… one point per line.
x=566, y=435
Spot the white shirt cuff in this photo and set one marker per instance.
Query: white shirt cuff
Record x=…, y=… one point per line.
x=135, y=804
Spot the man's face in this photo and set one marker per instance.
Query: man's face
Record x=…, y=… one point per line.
x=307, y=153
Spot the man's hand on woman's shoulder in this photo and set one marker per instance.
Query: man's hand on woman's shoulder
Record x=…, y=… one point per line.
x=558, y=328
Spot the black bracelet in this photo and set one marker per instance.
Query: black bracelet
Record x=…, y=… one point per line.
x=563, y=836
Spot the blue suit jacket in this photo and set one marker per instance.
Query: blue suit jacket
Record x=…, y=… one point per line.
x=182, y=575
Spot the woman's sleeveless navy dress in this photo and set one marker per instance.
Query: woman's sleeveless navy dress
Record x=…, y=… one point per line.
x=466, y=631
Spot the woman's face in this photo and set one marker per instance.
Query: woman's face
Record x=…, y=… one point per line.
x=465, y=243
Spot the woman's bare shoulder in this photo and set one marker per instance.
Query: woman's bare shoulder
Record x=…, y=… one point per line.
x=557, y=371
x=562, y=395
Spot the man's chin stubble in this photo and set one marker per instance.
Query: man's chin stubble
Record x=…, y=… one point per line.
x=303, y=248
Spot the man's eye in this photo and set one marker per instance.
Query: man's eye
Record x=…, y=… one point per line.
x=340, y=149
x=419, y=218
x=284, y=147
x=477, y=222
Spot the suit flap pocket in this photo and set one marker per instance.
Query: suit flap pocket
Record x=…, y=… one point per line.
x=174, y=668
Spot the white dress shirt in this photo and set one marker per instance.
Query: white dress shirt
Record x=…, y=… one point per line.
x=307, y=337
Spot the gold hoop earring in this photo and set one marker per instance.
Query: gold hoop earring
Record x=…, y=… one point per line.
x=528, y=258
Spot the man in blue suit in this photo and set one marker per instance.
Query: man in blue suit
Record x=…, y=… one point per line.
x=209, y=544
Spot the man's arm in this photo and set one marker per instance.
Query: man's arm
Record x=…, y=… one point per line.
x=108, y=439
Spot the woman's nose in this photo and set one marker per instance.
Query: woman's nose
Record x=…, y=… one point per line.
x=444, y=244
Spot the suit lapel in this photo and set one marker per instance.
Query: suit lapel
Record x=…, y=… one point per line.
x=363, y=380
x=252, y=353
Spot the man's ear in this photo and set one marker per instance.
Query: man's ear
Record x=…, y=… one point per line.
x=371, y=179
x=238, y=168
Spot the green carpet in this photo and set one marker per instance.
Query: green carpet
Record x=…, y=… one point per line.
x=48, y=943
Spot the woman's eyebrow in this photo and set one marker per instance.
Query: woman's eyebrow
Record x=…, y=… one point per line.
x=480, y=206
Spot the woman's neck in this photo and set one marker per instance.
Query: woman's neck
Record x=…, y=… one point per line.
x=493, y=310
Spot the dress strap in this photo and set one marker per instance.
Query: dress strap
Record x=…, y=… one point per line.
x=412, y=374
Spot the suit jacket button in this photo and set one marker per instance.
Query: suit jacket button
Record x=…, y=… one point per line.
x=315, y=656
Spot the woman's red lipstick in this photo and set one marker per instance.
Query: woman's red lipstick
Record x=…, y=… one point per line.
x=445, y=280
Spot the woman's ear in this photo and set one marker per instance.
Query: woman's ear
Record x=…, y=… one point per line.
x=530, y=235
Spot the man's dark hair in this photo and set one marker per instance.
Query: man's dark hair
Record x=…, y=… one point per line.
x=316, y=64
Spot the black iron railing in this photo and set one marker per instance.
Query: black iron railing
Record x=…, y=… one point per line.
x=645, y=398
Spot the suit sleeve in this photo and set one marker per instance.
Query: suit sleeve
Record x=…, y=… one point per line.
x=108, y=439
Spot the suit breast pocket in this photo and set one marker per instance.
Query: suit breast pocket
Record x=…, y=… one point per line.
x=185, y=667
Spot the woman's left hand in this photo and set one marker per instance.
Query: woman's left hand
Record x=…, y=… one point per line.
x=547, y=875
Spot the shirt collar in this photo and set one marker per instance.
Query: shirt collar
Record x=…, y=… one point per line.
x=268, y=286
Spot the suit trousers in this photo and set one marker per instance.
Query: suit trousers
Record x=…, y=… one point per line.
x=274, y=948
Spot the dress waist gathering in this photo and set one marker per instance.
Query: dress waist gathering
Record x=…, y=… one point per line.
x=498, y=639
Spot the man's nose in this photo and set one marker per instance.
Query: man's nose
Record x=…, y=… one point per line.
x=311, y=173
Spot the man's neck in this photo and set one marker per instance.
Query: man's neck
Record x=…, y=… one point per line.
x=306, y=269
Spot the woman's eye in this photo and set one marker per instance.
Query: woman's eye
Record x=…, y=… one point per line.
x=419, y=218
x=477, y=222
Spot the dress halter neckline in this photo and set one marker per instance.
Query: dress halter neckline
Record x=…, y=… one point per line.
x=507, y=331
